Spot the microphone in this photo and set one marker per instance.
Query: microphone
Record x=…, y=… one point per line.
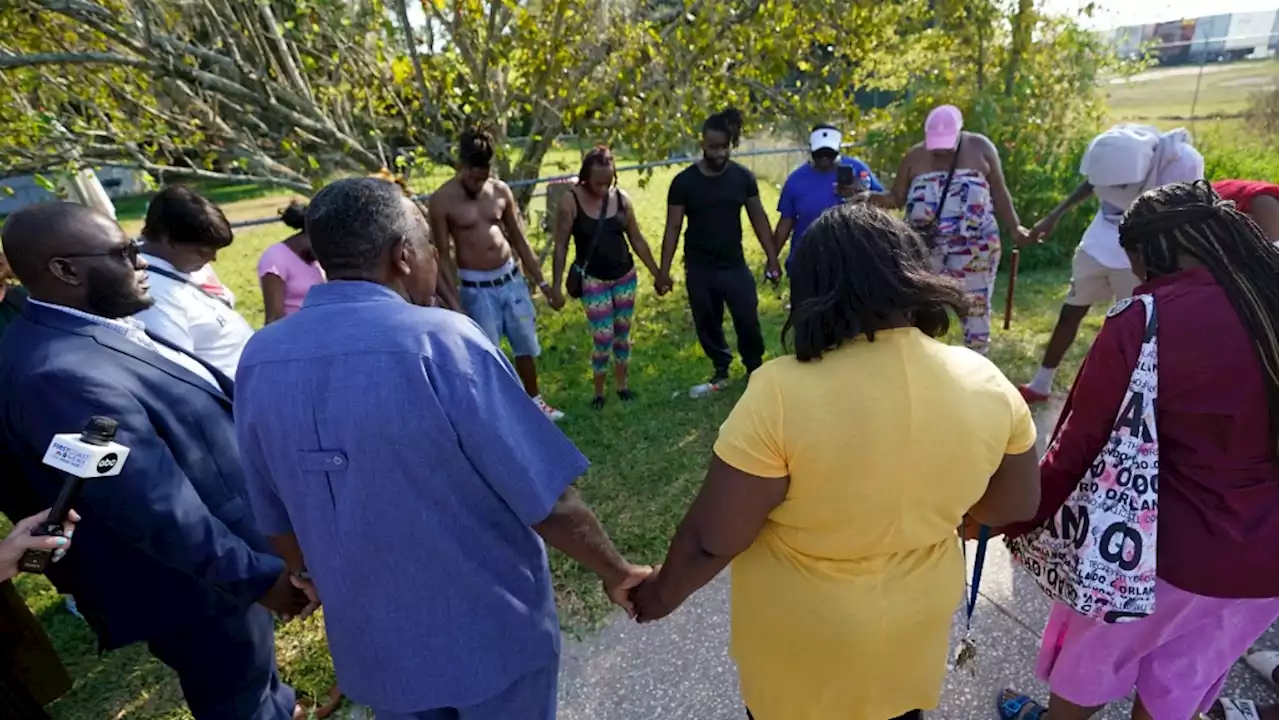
x=91, y=453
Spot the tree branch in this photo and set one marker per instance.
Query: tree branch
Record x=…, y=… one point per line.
x=11, y=62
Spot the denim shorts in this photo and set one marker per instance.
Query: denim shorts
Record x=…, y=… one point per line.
x=503, y=311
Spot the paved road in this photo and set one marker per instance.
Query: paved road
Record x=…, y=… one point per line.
x=679, y=669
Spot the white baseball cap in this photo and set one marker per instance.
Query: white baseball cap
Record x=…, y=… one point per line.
x=825, y=139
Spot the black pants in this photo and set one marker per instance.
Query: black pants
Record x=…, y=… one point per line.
x=710, y=290
x=913, y=715
x=227, y=667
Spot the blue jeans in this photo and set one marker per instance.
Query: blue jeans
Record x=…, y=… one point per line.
x=531, y=697
x=502, y=311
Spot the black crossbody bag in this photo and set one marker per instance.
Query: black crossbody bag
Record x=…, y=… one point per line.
x=573, y=284
x=930, y=233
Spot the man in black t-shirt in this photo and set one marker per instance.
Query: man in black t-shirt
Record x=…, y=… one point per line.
x=712, y=194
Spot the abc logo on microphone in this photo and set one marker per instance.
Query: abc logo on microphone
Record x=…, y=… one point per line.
x=107, y=463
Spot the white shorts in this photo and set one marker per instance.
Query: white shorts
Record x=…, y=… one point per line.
x=1093, y=283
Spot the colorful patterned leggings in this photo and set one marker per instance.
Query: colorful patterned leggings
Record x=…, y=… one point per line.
x=974, y=262
x=609, y=305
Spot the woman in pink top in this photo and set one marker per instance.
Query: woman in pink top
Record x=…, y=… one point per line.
x=288, y=269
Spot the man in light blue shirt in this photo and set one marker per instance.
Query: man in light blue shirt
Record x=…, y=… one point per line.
x=394, y=459
x=811, y=189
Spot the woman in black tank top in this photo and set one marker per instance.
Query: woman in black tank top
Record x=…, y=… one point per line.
x=602, y=222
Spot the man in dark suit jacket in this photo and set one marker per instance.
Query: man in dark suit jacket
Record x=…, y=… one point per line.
x=167, y=553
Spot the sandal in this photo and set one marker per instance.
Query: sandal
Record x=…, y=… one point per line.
x=1011, y=705
x=598, y=403
x=1265, y=663
x=1234, y=710
x=625, y=395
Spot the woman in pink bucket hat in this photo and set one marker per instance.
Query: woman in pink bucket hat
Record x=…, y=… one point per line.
x=953, y=189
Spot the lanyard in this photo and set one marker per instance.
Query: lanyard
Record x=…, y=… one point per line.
x=968, y=648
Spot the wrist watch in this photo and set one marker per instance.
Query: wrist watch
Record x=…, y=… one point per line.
x=544, y=285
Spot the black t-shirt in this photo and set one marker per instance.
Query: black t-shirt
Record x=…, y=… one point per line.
x=713, y=205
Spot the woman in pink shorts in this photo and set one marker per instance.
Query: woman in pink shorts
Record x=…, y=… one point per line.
x=1213, y=276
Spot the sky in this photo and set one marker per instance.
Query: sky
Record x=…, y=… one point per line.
x=1118, y=13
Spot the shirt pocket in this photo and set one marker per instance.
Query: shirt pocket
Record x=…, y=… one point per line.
x=331, y=465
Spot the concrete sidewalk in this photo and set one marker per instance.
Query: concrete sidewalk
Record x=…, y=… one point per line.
x=679, y=669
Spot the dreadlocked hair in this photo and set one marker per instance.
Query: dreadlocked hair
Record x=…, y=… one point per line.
x=727, y=121
x=858, y=270
x=475, y=148
x=598, y=155
x=1190, y=218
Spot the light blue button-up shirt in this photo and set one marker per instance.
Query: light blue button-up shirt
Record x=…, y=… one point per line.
x=398, y=444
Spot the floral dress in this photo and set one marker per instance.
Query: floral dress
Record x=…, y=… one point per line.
x=968, y=240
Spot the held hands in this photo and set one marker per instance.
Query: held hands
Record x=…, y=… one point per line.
x=651, y=601
x=555, y=298
x=620, y=588
x=662, y=283
x=308, y=588
x=287, y=599
x=1042, y=229
x=773, y=271
x=969, y=530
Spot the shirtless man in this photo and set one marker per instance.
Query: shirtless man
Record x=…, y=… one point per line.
x=479, y=214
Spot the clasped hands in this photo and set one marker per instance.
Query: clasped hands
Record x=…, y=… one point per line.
x=291, y=597
x=641, y=594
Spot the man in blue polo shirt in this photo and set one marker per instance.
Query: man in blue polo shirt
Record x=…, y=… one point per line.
x=811, y=188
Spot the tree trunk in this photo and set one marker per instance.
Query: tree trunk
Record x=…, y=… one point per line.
x=1021, y=26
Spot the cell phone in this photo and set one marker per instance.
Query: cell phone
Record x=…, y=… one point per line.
x=844, y=175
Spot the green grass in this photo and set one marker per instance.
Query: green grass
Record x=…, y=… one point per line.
x=648, y=457
x=1168, y=92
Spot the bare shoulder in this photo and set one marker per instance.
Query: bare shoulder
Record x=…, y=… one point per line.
x=917, y=156
x=567, y=204
x=502, y=190
x=439, y=201
x=982, y=142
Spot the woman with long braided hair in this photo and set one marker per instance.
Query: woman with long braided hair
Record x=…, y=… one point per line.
x=1212, y=274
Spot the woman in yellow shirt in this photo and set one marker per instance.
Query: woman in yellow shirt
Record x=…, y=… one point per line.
x=839, y=479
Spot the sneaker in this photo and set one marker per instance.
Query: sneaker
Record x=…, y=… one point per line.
x=552, y=414
x=1031, y=395
x=598, y=403
x=626, y=395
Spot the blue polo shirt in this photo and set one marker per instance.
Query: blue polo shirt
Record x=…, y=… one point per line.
x=398, y=445
x=808, y=193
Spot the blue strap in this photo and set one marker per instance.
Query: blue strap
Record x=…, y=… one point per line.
x=1012, y=707
x=984, y=535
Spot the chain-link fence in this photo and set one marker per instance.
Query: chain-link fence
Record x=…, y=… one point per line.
x=768, y=161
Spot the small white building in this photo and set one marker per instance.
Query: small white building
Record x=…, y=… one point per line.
x=21, y=190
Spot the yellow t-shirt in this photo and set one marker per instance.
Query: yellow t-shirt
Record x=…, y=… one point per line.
x=842, y=608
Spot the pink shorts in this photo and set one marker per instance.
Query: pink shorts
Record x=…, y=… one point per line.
x=1177, y=658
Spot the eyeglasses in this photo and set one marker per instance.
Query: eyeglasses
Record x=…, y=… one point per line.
x=128, y=253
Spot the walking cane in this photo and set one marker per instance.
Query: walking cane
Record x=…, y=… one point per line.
x=1013, y=281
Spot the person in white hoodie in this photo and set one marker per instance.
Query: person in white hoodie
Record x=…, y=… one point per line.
x=1119, y=165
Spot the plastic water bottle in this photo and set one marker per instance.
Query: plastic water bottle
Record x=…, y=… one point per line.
x=705, y=389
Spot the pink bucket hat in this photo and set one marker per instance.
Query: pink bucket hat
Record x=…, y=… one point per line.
x=942, y=128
